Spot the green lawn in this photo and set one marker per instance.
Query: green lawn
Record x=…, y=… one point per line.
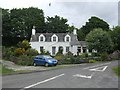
x=4, y=70
x=117, y=70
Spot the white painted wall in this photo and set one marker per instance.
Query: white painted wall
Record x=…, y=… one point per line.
x=48, y=46
x=74, y=50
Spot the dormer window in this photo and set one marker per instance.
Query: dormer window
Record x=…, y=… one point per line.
x=54, y=38
x=41, y=38
x=67, y=38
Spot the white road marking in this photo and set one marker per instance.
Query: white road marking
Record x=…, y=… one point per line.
x=43, y=81
x=98, y=69
x=97, y=65
x=84, y=76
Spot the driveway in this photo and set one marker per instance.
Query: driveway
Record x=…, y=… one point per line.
x=95, y=75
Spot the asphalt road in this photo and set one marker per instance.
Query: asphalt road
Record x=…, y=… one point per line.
x=94, y=75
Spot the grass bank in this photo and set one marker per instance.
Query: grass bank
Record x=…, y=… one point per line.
x=117, y=70
x=4, y=70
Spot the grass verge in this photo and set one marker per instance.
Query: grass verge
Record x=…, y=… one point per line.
x=4, y=70
x=117, y=70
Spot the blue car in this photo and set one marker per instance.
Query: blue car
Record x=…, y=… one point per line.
x=44, y=60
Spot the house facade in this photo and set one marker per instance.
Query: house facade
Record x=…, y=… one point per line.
x=52, y=42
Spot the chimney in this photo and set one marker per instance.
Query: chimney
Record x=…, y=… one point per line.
x=75, y=32
x=33, y=30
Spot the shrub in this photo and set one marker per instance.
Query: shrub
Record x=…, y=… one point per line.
x=92, y=61
x=7, y=52
x=104, y=56
x=43, y=52
x=31, y=52
x=69, y=53
x=24, y=44
x=84, y=55
x=59, y=57
x=19, y=51
x=25, y=60
x=94, y=54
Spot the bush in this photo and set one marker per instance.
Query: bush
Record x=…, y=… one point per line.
x=7, y=52
x=69, y=53
x=25, y=60
x=104, y=56
x=59, y=57
x=19, y=51
x=92, y=61
x=31, y=52
x=94, y=54
x=84, y=55
x=24, y=44
x=43, y=52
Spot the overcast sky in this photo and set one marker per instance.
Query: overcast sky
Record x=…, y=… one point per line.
x=76, y=11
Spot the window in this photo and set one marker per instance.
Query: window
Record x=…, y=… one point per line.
x=84, y=49
x=41, y=48
x=54, y=39
x=53, y=50
x=67, y=49
x=41, y=38
x=79, y=49
x=67, y=39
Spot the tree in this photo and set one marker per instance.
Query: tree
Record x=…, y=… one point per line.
x=94, y=22
x=115, y=35
x=71, y=28
x=56, y=25
x=80, y=35
x=18, y=23
x=99, y=40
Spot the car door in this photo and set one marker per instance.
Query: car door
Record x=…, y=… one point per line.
x=41, y=60
x=36, y=60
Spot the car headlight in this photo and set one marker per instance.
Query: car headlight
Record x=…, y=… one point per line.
x=49, y=61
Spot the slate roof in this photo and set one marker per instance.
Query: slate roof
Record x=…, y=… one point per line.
x=61, y=36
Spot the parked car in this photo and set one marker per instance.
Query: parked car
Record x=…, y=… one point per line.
x=45, y=60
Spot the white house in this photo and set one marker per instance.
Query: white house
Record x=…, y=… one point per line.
x=53, y=41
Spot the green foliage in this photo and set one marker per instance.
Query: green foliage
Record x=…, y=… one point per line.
x=56, y=24
x=92, y=61
x=115, y=35
x=17, y=24
x=94, y=22
x=69, y=53
x=84, y=55
x=59, y=57
x=43, y=52
x=80, y=35
x=19, y=51
x=117, y=70
x=7, y=52
x=31, y=52
x=104, y=56
x=25, y=60
x=94, y=54
x=24, y=44
x=5, y=70
x=97, y=40
x=60, y=51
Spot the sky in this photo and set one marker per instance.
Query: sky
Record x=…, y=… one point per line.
x=77, y=12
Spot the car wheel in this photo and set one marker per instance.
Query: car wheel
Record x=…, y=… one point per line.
x=34, y=64
x=46, y=65
x=55, y=65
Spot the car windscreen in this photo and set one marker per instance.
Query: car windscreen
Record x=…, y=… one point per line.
x=47, y=57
